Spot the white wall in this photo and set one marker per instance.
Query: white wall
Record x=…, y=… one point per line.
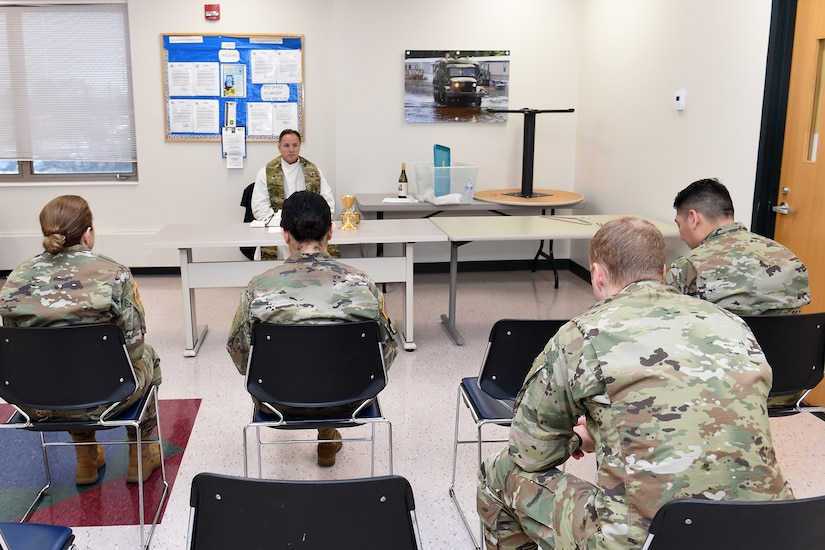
x=372, y=139
x=616, y=63
x=634, y=151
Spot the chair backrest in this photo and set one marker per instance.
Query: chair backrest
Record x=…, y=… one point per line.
x=511, y=349
x=722, y=525
x=795, y=348
x=248, y=216
x=68, y=367
x=236, y=512
x=309, y=365
x=246, y=202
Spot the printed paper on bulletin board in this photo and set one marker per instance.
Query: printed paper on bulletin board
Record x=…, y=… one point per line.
x=211, y=81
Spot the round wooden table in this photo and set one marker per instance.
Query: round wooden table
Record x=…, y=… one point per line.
x=549, y=198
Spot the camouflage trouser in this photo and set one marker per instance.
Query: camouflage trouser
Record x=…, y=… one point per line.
x=526, y=510
x=148, y=374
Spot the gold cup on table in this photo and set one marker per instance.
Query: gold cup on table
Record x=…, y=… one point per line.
x=349, y=218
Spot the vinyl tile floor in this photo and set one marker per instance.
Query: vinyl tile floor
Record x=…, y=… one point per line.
x=420, y=400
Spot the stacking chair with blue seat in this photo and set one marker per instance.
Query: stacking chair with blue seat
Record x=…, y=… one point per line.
x=312, y=366
x=375, y=513
x=75, y=367
x=35, y=536
x=689, y=524
x=512, y=347
x=794, y=346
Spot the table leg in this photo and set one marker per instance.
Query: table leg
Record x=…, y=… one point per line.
x=190, y=319
x=449, y=319
x=548, y=255
x=407, y=298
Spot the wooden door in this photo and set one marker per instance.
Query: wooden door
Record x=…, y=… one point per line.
x=802, y=183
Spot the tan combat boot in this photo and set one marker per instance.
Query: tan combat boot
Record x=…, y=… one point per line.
x=327, y=451
x=90, y=458
x=150, y=456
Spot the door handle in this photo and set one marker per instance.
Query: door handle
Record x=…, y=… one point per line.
x=783, y=208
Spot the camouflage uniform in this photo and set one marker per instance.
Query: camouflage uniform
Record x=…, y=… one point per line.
x=79, y=286
x=673, y=389
x=308, y=288
x=742, y=272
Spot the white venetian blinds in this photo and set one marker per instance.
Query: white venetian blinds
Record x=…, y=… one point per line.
x=65, y=83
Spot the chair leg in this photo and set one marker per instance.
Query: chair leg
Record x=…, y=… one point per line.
x=48, y=483
x=144, y=538
x=245, y=453
x=455, y=441
x=259, y=443
x=389, y=437
x=372, y=450
x=452, y=492
x=258, y=446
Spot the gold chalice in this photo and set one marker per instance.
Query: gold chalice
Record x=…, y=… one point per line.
x=348, y=217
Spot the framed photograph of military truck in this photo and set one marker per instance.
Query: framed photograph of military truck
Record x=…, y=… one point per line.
x=456, y=85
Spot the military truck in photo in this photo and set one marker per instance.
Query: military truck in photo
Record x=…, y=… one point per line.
x=456, y=82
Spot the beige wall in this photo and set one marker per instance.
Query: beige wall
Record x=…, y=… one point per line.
x=634, y=151
x=616, y=63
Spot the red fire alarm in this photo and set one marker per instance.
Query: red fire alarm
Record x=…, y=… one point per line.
x=212, y=11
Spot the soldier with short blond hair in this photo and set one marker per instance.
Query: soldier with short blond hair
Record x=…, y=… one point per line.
x=670, y=393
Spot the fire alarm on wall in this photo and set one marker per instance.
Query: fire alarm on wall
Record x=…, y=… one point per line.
x=212, y=11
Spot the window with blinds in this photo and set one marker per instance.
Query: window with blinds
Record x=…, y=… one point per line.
x=66, y=109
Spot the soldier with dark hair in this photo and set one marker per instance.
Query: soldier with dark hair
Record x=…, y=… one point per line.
x=670, y=393
x=283, y=176
x=69, y=284
x=310, y=287
x=728, y=265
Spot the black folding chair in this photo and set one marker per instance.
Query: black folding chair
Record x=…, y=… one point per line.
x=722, y=525
x=234, y=512
x=300, y=366
x=512, y=347
x=248, y=216
x=35, y=536
x=795, y=348
x=74, y=367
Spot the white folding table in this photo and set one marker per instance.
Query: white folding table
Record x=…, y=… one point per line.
x=389, y=269
x=465, y=229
